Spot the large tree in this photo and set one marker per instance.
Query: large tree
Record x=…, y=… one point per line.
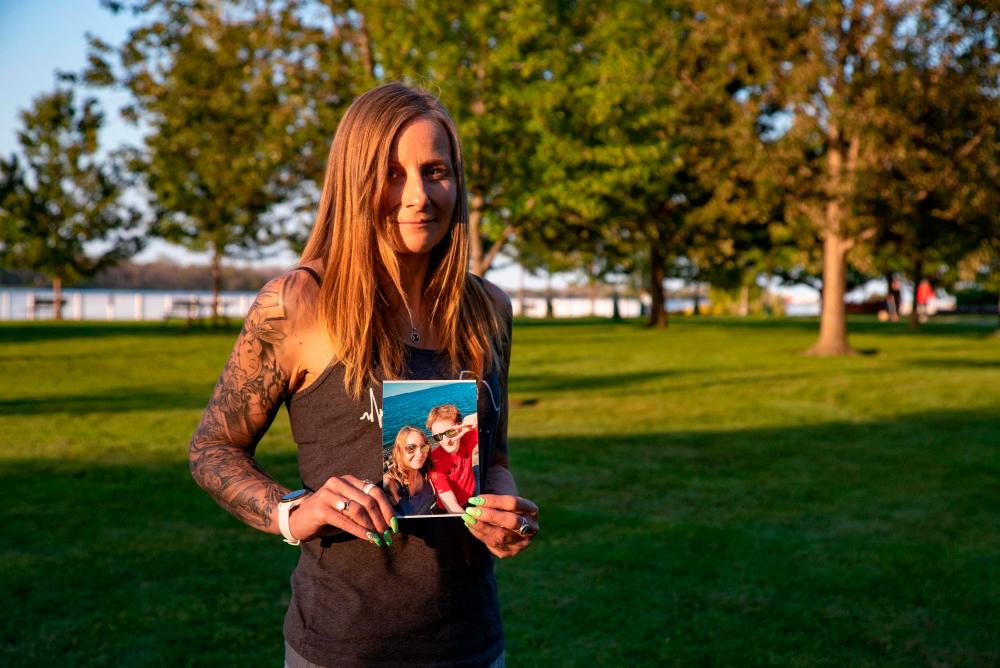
x=648, y=129
x=237, y=101
x=491, y=63
x=835, y=65
x=935, y=190
x=62, y=212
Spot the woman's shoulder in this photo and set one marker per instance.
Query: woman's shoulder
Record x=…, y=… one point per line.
x=295, y=292
x=499, y=298
x=285, y=309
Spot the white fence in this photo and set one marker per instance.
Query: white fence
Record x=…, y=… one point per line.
x=577, y=307
x=32, y=304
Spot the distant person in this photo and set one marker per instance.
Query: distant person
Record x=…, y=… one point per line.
x=383, y=292
x=406, y=480
x=452, y=461
x=925, y=293
x=893, y=294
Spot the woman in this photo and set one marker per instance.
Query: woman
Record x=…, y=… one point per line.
x=383, y=292
x=406, y=480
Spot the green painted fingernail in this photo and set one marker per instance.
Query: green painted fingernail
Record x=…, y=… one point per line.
x=394, y=524
x=475, y=512
x=387, y=535
x=468, y=519
x=373, y=537
x=477, y=501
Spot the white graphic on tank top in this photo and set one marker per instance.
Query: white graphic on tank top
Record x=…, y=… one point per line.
x=375, y=410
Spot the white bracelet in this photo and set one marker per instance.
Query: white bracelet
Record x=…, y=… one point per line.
x=284, y=509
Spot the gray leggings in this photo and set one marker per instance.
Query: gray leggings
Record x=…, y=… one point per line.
x=295, y=660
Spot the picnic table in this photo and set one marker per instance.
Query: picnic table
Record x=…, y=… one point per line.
x=195, y=309
x=37, y=304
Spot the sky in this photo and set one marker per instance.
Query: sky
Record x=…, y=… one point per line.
x=36, y=39
x=396, y=387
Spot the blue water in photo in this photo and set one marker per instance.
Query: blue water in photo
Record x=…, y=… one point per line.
x=412, y=408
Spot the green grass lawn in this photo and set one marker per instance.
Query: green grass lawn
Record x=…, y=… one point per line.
x=709, y=497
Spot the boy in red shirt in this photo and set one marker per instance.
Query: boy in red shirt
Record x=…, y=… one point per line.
x=452, y=461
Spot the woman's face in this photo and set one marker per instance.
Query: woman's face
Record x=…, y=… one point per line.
x=415, y=450
x=422, y=185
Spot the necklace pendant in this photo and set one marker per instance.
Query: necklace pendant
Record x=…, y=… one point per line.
x=414, y=336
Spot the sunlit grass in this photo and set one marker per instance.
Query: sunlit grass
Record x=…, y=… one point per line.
x=709, y=496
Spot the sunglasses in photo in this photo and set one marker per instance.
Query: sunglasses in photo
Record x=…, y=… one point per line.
x=412, y=447
x=450, y=433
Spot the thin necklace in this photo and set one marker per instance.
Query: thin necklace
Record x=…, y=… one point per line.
x=414, y=334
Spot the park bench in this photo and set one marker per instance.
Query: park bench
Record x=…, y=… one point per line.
x=37, y=305
x=195, y=310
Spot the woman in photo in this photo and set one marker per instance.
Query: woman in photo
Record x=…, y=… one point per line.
x=406, y=481
x=382, y=292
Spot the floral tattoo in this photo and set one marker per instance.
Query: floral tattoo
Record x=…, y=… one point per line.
x=243, y=405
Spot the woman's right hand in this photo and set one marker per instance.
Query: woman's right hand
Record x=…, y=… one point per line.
x=368, y=516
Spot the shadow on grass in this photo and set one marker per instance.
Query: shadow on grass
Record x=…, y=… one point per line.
x=32, y=332
x=840, y=543
x=953, y=363
x=111, y=401
x=971, y=327
x=562, y=382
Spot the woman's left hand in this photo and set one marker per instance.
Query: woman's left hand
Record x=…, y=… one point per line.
x=505, y=523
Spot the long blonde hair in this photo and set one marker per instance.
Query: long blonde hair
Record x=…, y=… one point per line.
x=353, y=239
x=398, y=468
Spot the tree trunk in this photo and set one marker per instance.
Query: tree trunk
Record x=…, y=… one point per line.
x=833, y=318
x=486, y=261
x=216, y=285
x=521, y=294
x=657, y=274
x=616, y=313
x=476, y=203
x=549, y=311
x=57, y=298
x=744, y=307
x=364, y=48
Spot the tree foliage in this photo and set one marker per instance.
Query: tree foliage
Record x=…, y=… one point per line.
x=720, y=140
x=492, y=64
x=937, y=182
x=237, y=102
x=847, y=74
x=62, y=212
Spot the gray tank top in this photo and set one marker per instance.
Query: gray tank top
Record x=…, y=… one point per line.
x=430, y=599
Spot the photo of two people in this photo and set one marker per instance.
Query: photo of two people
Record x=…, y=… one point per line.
x=430, y=446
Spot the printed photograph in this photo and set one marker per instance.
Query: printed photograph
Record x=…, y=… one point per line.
x=430, y=446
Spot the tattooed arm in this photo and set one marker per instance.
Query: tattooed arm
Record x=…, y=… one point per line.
x=262, y=371
x=245, y=401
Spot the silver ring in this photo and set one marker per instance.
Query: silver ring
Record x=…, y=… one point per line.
x=523, y=527
x=368, y=487
x=343, y=505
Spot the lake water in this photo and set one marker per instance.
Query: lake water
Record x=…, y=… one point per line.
x=412, y=408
